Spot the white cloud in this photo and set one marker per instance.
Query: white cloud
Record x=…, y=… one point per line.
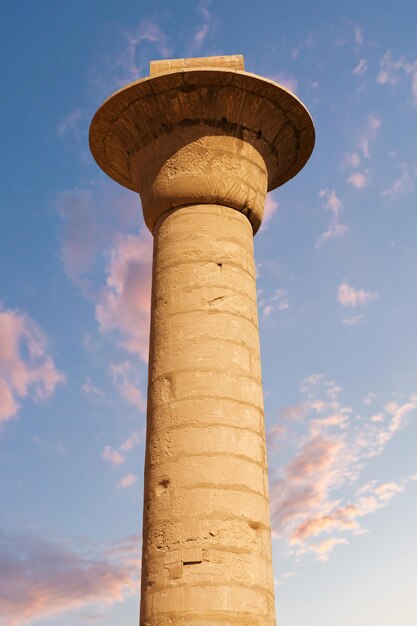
x=270, y=208
x=360, y=68
x=203, y=29
x=349, y=296
x=392, y=71
x=402, y=186
x=335, y=228
x=369, y=134
x=352, y=320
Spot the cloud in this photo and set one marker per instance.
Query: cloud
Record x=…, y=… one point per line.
x=358, y=180
x=369, y=134
x=317, y=500
x=26, y=368
x=203, y=30
x=348, y=296
x=124, y=304
x=402, y=186
x=352, y=320
x=360, y=68
x=392, y=71
x=126, y=378
x=127, y=481
x=323, y=548
x=130, y=58
x=91, y=390
x=71, y=124
x=117, y=456
x=277, y=302
x=91, y=218
x=41, y=579
x=335, y=228
x=358, y=35
x=306, y=44
x=286, y=80
x=131, y=441
x=112, y=455
x=352, y=159
x=270, y=208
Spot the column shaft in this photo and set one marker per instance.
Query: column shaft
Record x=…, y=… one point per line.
x=206, y=532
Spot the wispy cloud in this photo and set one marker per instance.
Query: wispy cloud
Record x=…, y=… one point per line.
x=305, y=44
x=359, y=180
x=270, y=208
x=71, y=124
x=368, y=134
x=117, y=456
x=278, y=301
x=112, y=455
x=317, y=500
x=360, y=68
x=127, y=380
x=286, y=80
x=205, y=26
x=352, y=320
x=127, y=481
x=91, y=218
x=402, y=186
x=124, y=304
x=349, y=296
x=334, y=205
x=392, y=71
x=40, y=578
x=26, y=367
x=130, y=60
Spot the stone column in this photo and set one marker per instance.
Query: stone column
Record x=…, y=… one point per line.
x=202, y=141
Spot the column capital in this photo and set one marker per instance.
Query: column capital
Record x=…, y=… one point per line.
x=202, y=131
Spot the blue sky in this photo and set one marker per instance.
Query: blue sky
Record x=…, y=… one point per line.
x=336, y=259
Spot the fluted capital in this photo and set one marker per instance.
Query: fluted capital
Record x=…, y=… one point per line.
x=202, y=134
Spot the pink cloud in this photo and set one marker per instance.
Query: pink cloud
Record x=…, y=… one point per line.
x=316, y=492
x=270, y=208
x=112, y=455
x=40, y=579
x=26, y=368
x=127, y=481
x=90, y=220
x=358, y=180
x=348, y=296
x=124, y=304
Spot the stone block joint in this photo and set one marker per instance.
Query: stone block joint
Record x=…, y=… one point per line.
x=202, y=141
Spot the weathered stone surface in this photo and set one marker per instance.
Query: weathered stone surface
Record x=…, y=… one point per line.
x=202, y=141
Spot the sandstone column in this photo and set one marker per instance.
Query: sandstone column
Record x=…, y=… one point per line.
x=202, y=141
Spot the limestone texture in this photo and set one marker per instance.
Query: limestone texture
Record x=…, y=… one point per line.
x=202, y=141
